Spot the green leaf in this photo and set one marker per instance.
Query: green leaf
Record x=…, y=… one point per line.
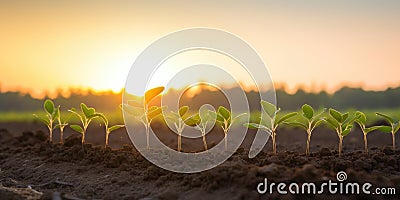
x=49, y=106
x=216, y=116
x=344, y=117
x=335, y=114
x=204, y=114
x=317, y=123
x=85, y=110
x=56, y=113
x=77, y=128
x=373, y=128
x=297, y=124
x=396, y=127
x=308, y=111
x=154, y=113
x=362, y=119
x=43, y=120
x=346, y=132
x=331, y=122
x=192, y=120
x=285, y=117
x=115, y=127
x=225, y=113
x=388, y=118
x=269, y=108
x=183, y=110
x=254, y=126
x=132, y=110
x=385, y=129
x=152, y=93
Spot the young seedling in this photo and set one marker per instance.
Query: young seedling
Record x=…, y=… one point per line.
x=107, y=128
x=224, y=118
x=52, y=113
x=362, y=121
x=86, y=116
x=143, y=112
x=180, y=119
x=393, y=128
x=270, y=122
x=341, y=123
x=61, y=124
x=311, y=121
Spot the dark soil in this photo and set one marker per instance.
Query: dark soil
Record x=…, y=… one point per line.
x=32, y=168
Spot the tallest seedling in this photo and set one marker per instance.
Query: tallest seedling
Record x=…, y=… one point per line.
x=143, y=112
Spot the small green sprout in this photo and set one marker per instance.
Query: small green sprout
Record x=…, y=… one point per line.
x=393, y=128
x=225, y=120
x=87, y=115
x=61, y=124
x=311, y=121
x=52, y=113
x=362, y=121
x=143, y=112
x=107, y=128
x=180, y=119
x=271, y=122
x=341, y=123
x=200, y=121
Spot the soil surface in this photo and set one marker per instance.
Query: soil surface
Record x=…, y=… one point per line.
x=33, y=168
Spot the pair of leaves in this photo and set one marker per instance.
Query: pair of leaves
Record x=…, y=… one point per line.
x=269, y=108
x=395, y=126
x=52, y=113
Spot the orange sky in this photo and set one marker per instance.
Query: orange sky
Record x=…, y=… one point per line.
x=46, y=45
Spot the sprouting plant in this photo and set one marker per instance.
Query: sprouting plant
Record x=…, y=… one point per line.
x=52, y=113
x=200, y=121
x=61, y=124
x=180, y=119
x=224, y=117
x=311, y=121
x=87, y=115
x=341, y=123
x=143, y=112
x=362, y=121
x=270, y=122
x=393, y=128
x=107, y=128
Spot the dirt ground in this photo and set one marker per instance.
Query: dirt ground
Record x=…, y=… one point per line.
x=32, y=168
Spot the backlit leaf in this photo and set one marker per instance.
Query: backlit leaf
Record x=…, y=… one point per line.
x=115, y=127
x=308, y=111
x=77, y=128
x=183, y=110
x=268, y=108
x=285, y=117
x=335, y=114
x=152, y=93
x=49, y=106
x=388, y=118
x=225, y=113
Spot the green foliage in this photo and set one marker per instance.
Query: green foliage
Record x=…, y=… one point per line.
x=341, y=123
x=180, y=120
x=107, y=128
x=393, y=128
x=269, y=121
x=309, y=123
x=86, y=116
x=52, y=114
x=224, y=118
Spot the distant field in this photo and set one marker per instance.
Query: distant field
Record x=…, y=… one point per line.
x=116, y=116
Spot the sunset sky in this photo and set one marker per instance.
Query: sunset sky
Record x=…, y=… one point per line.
x=46, y=45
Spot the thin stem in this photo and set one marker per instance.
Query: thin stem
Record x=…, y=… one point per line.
x=107, y=135
x=62, y=135
x=308, y=142
x=394, y=141
x=226, y=139
x=203, y=133
x=365, y=142
x=147, y=137
x=273, y=142
x=340, y=145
